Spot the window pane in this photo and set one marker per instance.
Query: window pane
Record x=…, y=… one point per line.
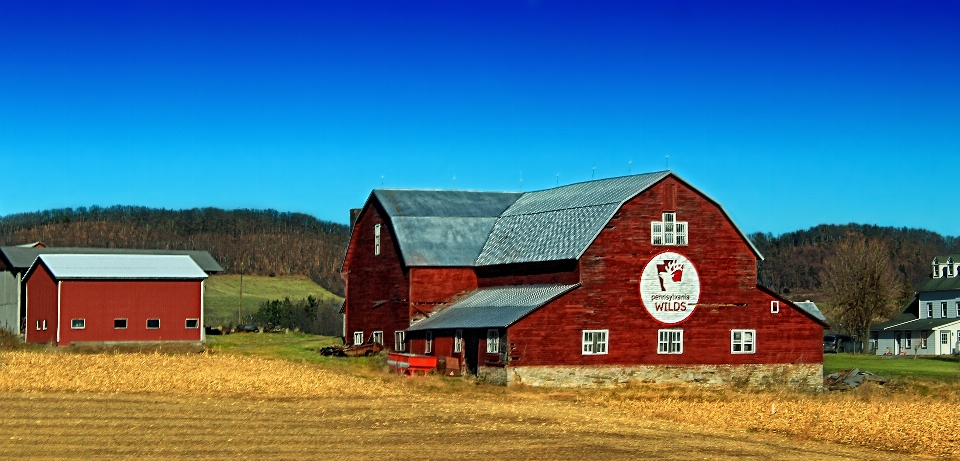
x=192, y=323
x=153, y=324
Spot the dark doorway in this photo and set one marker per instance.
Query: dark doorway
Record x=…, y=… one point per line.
x=471, y=341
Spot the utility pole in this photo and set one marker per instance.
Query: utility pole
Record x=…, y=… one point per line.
x=240, y=305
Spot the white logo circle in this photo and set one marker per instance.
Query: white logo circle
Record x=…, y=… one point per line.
x=670, y=287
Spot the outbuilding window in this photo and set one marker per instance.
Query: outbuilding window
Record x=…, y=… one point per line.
x=119, y=324
x=493, y=341
x=774, y=307
x=78, y=324
x=428, y=348
x=458, y=342
x=192, y=324
x=377, y=337
x=743, y=341
x=398, y=341
x=670, y=342
x=595, y=342
x=153, y=324
x=357, y=337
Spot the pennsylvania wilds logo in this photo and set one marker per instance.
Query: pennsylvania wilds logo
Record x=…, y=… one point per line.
x=670, y=287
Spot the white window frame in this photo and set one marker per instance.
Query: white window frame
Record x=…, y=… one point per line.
x=126, y=324
x=399, y=342
x=936, y=271
x=186, y=324
x=945, y=338
x=38, y=325
x=740, y=345
x=949, y=270
x=153, y=328
x=595, y=342
x=376, y=240
x=943, y=309
x=493, y=341
x=378, y=337
x=44, y=325
x=774, y=307
x=428, y=347
x=357, y=338
x=670, y=341
x=908, y=339
x=73, y=324
x=458, y=341
x=669, y=231
x=656, y=233
x=923, y=339
x=929, y=310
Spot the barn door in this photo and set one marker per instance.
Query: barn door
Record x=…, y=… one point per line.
x=471, y=344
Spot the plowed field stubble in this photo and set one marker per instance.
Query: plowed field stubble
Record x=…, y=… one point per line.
x=221, y=406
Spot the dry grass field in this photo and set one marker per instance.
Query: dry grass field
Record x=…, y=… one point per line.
x=58, y=405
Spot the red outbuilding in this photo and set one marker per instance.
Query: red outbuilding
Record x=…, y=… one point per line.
x=636, y=278
x=106, y=298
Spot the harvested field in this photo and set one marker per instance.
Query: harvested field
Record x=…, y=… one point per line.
x=212, y=406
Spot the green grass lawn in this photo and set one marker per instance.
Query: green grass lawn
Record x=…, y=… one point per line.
x=893, y=366
x=223, y=293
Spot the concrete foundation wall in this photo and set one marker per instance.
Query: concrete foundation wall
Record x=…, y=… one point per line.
x=804, y=376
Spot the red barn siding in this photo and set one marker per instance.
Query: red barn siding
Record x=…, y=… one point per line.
x=41, y=305
x=609, y=297
x=378, y=286
x=100, y=302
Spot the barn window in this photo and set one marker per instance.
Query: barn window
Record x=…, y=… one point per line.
x=376, y=239
x=743, y=341
x=670, y=342
x=595, y=342
x=153, y=324
x=669, y=231
x=119, y=324
x=398, y=342
x=774, y=307
x=458, y=341
x=78, y=324
x=191, y=324
x=38, y=325
x=493, y=341
x=44, y=325
x=377, y=337
x=429, y=347
x=357, y=337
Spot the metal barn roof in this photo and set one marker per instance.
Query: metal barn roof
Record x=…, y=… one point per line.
x=101, y=266
x=22, y=257
x=493, y=307
x=811, y=308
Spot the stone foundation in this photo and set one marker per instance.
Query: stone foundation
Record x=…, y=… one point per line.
x=802, y=376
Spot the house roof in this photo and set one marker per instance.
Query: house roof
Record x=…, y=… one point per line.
x=120, y=266
x=493, y=307
x=811, y=308
x=941, y=283
x=916, y=324
x=21, y=258
x=469, y=228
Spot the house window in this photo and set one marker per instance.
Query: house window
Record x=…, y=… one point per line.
x=429, y=347
x=669, y=231
x=743, y=341
x=377, y=337
x=153, y=324
x=119, y=324
x=376, y=239
x=908, y=339
x=192, y=324
x=936, y=271
x=670, y=342
x=774, y=307
x=943, y=310
x=398, y=341
x=595, y=342
x=458, y=342
x=923, y=339
x=78, y=324
x=357, y=338
x=929, y=310
x=949, y=270
x=493, y=341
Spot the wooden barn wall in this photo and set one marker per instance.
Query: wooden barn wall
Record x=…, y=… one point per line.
x=100, y=302
x=609, y=298
x=564, y=272
x=41, y=305
x=378, y=286
x=432, y=286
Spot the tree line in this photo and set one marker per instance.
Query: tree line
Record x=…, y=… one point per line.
x=259, y=242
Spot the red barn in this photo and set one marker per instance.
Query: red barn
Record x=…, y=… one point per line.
x=636, y=278
x=74, y=298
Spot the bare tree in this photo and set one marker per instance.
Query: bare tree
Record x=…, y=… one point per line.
x=861, y=283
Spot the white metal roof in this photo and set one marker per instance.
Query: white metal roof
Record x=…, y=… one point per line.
x=114, y=266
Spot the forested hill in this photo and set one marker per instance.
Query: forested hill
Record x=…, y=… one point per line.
x=795, y=260
x=264, y=242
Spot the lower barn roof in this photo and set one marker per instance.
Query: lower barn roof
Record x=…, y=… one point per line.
x=122, y=267
x=493, y=307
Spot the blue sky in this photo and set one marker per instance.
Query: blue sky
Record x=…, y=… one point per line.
x=791, y=114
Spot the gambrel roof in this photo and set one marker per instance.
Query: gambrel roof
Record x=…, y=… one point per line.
x=445, y=228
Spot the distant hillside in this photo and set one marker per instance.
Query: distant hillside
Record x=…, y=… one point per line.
x=262, y=242
x=795, y=260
